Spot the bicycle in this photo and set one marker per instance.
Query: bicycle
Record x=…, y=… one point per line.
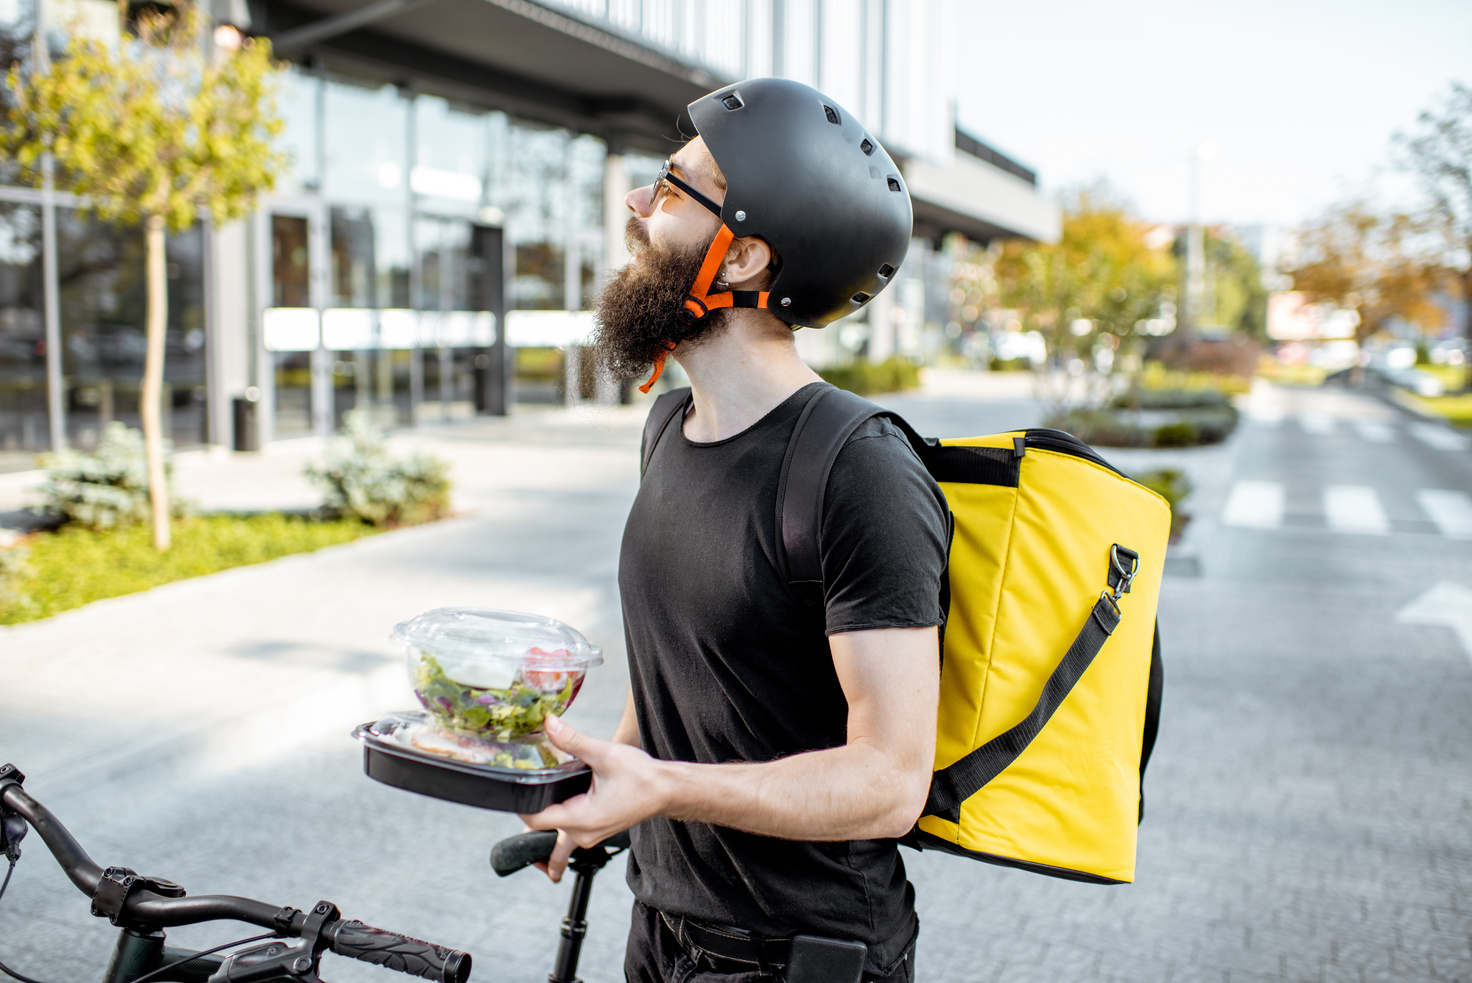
x=142, y=906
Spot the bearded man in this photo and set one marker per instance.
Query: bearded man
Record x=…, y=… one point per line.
x=773, y=747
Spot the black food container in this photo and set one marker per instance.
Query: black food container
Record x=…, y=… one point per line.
x=389, y=757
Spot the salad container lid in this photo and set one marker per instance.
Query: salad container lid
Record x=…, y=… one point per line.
x=468, y=637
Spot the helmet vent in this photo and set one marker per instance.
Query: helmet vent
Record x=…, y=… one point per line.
x=832, y=114
x=867, y=147
x=894, y=184
x=886, y=271
x=860, y=298
x=732, y=101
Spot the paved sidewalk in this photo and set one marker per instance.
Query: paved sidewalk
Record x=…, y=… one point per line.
x=1308, y=803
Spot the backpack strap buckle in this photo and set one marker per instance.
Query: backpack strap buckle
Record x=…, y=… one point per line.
x=1124, y=563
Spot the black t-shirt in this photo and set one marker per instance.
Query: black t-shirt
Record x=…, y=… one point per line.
x=727, y=665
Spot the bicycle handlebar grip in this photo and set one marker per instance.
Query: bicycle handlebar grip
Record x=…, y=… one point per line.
x=522, y=850
x=401, y=953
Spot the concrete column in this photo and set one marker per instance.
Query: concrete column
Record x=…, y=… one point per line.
x=881, y=324
x=227, y=326
x=616, y=187
x=262, y=363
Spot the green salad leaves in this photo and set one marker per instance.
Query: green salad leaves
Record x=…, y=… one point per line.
x=491, y=714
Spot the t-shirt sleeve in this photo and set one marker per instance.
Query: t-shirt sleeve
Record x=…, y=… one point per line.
x=886, y=532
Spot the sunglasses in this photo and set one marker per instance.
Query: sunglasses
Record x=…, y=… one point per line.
x=667, y=180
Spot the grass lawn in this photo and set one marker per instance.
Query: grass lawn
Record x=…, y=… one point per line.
x=75, y=566
x=1456, y=410
x=1291, y=375
x=1451, y=376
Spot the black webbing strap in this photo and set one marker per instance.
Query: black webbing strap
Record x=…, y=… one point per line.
x=1152, y=712
x=661, y=414
x=825, y=424
x=953, y=785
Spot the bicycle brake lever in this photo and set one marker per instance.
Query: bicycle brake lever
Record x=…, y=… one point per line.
x=12, y=831
x=12, y=826
x=269, y=961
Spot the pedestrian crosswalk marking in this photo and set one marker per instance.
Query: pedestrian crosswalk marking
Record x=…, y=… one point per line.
x=1375, y=431
x=1439, y=437
x=1450, y=510
x=1355, y=509
x=1255, y=504
x=1317, y=423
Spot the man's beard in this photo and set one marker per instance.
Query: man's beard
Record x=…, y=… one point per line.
x=639, y=306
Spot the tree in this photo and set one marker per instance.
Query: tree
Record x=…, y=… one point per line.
x=1373, y=264
x=151, y=131
x=1236, y=297
x=1090, y=295
x=1440, y=154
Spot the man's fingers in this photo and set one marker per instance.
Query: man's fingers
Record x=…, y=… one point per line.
x=557, y=863
x=566, y=737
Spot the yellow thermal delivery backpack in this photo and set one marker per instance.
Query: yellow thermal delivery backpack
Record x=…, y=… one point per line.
x=1050, y=676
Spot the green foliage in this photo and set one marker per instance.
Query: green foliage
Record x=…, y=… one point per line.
x=1181, y=433
x=161, y=124
x=1238, y=298
x=57, y=571
x=361, y=479
x=1188, y=427
x=1155, y=375
x=1171, y=399
x=890, y=376
x=104, y=489
x=1090, y=295
x=1170, y=484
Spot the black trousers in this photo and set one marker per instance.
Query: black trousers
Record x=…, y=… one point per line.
x=654, y=955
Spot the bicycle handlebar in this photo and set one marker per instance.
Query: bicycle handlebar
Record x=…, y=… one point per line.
x=400, y=952
x=145, y=907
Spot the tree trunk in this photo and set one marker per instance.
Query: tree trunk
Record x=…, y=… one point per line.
x=153, y=383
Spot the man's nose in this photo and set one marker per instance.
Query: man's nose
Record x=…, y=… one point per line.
x=639, y=200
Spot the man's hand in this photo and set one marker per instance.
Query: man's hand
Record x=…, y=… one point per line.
x=624, y=793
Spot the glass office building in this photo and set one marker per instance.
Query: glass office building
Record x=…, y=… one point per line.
x=456, y=179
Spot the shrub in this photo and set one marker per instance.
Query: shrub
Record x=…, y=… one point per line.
x=1171, y=399
x=1182, y=433
x=1111, y=428
x=361, y=479
x=105, y=489
x=1172, y=485
x=1101, y=428
x=892, y=375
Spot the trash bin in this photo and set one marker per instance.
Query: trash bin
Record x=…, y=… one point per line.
x=247, y=428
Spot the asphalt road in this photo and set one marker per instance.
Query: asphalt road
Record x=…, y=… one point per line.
x=1309, y=800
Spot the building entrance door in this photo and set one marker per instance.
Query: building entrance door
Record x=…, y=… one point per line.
x=299, y=371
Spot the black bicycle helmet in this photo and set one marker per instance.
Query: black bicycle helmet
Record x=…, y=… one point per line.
x=805, y=176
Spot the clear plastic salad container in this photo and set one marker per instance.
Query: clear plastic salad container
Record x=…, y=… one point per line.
x=494, y=675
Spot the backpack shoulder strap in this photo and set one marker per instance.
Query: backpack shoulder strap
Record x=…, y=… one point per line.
x=664, y=411
x=827, y=421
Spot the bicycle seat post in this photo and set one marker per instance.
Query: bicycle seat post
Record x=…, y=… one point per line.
x=585, y=864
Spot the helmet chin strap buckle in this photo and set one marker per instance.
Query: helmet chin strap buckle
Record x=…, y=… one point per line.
x=700, y=302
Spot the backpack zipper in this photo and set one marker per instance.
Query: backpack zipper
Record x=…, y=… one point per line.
x=1067, y=443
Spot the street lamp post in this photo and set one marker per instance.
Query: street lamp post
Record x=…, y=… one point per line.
x=1196, y=242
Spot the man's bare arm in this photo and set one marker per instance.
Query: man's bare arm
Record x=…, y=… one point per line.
x=627, y=731
x=873, y=786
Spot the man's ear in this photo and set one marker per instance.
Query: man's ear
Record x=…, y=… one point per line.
x=746, y=264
